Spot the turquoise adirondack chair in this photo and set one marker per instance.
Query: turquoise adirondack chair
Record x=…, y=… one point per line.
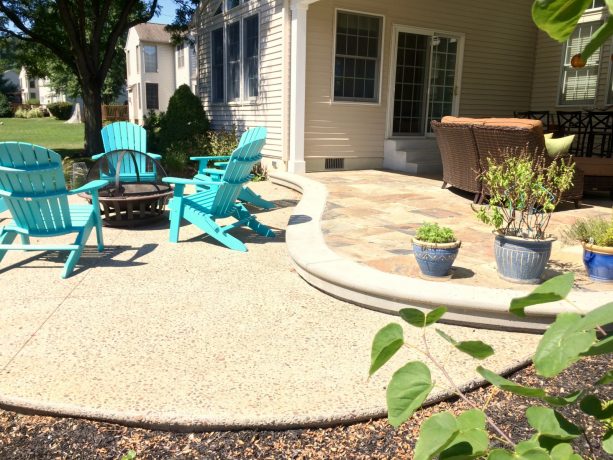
x=125, y=148
x=32, y=185
x=205, y=173
x=2, y=205
x=219, y=198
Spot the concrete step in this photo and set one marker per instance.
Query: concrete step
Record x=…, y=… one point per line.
x=423, y=167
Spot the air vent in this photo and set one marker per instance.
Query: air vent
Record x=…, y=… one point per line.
x=335, y=163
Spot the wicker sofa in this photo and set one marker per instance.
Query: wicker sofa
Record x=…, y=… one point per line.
x=466, y=143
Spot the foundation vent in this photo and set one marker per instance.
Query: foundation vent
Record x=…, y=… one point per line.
x=335, y=163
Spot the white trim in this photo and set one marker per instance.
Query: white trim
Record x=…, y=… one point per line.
x=379, y=77
x=455, y=105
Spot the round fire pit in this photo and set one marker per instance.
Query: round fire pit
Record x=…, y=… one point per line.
x=135, y=194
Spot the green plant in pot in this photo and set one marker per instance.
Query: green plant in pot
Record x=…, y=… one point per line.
x=596, y=236
x=435, y=249
x=524, y=189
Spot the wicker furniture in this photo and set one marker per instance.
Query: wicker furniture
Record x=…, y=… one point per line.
x=466, y=143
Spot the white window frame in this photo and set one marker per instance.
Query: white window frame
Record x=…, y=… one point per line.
x=128, y=62
x=381, y=60
x=137, y=59
x=237, y=14
x=180, y=56
x=455, y=105
x=591, y=15
x=157, y=60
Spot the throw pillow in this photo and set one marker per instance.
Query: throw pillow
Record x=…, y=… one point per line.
x=560, y=146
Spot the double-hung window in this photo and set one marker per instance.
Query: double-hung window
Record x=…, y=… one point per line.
x=180, y=56
x=151, y=58
x=357, y=57
x=152, y=98
x=578, y=86
x=235, y=60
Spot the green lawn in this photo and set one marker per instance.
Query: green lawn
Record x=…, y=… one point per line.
x=65, y=138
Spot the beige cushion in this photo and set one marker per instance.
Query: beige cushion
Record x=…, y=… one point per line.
x=463, y=120
x=522, y=123
x=560, y=146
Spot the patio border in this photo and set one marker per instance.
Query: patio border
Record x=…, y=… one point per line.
x=384, y=292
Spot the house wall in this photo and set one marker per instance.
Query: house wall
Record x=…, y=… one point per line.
x=267, y=110
x=186, y=75
x=497, y=70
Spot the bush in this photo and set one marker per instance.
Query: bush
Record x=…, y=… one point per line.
x=33, y=101
x=5, y=107
x=61, y=110
x=222, y=142
x=184, y=120
x=433, y=233
x=151, y=124
x=594, y=230
x=35, y=113
x=21, y=113
x=176, y=162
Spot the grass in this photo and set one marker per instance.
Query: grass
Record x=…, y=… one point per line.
x=65, y=138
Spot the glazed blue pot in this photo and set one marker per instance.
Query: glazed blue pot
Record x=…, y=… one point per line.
x=598, y=261
x=521, y=260
x=435, y=260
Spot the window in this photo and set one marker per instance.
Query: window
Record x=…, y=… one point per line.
x=180, y=56
x=128, y=62
x=138, y=95
x=231, y=4
x=152, y=96
x=137, y=59
x=32, y=83
x=251, y=48
x=217, y=67
x=32, y=95
x=356, y=63
x=151, y=58
x=233, y=50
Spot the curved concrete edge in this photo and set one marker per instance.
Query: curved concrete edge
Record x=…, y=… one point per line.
x=171, y=421
x=365, y=286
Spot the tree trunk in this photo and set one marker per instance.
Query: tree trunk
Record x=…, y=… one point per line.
x=92, y=116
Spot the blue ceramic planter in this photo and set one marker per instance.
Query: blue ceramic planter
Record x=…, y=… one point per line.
x=435, y=260
x=521, y=260
x=598, y=261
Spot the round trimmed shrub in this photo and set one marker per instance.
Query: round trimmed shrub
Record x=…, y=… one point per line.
x=5, y=107
x=61, y=110
x=184, y=120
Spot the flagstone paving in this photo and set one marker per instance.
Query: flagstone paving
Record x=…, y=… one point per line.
x=372, y=215
x=195, y=336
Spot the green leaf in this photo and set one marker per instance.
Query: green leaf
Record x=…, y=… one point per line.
x=598, y=409
x=408, y=389
x=500, y=454
x=472, y=439
x=558, y=18
x=552, y=424
x=606, y=379
x=413, y=316
x=597, y=39
x=563, y=452
x=600, y=316
x=607, y=441
x=385, y=345
x=530, y=392
x=562, y=345
x=551, y=290
x=474, y=348
x=526, y=450
x=601, y=347
x=435, y=315
x=435, y=434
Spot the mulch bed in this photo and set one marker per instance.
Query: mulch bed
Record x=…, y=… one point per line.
x=37, y=437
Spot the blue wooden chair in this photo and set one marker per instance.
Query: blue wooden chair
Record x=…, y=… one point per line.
x=2, y=205
x=218, y=199
x=221, y=161
x=32, y=185
x=125, y=150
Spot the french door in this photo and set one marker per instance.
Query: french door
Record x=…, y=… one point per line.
x=425, y=79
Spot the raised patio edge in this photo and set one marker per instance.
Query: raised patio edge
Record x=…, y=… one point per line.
x=365, y=286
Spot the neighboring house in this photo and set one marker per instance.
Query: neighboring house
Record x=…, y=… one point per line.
x=38, y=88
x=354, y=84
x=155, y=69
x=13, y=77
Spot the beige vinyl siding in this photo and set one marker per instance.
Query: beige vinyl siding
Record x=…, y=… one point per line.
x=547, y=71
x=500, y=39
x=267, y=109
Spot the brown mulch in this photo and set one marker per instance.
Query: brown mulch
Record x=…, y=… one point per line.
x=37, y=437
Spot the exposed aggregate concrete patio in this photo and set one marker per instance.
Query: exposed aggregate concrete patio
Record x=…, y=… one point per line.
x=195, y=336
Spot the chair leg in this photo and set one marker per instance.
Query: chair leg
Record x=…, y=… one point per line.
x=210, y=227
x=99, y=236
x=6, y=238
x=25, y=239
x=242, y=213
x=75, y=254
x=175, y=220
x=577, y=202
x=444, y=184
x=249, y=196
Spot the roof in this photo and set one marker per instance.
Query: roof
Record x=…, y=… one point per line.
x=151, y=32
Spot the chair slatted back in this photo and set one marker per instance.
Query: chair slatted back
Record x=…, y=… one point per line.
x=32, y=173
x=123, y=135
x=238, y=170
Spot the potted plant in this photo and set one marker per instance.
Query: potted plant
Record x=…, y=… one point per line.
x=524, y=188
x=435, y=249
x=596, y=236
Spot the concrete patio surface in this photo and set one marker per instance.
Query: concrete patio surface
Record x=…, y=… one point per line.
x=193, y=336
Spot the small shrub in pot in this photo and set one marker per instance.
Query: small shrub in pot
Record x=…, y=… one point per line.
x=596, y=236
x=435, y=249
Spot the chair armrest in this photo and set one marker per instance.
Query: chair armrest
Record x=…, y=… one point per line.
x=183, y=181
x=98, y=155
x=212, y=171
x=155, y=156
x=211, y=157
x=90, y=186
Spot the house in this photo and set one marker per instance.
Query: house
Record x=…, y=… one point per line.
x=12, y=78
x=354, y=84
x=155, y=68
x=38, y=89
